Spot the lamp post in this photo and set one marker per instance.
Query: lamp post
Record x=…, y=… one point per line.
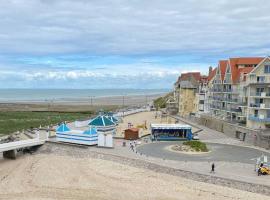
x=123, y=104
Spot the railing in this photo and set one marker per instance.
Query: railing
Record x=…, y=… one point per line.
x=261, y=80
x=227, y=90
x=217, y=98
x=260, y=94
x=215, y=107
x=259, y=119
x=231, y=100
x=216, y=90
x=235, y=110
x=259, y=105
x=254, y=105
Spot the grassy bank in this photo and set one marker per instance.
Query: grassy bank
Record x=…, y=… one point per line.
x=161, y=101
x=15, y=121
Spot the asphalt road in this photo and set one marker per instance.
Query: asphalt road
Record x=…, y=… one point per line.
x=219, y=152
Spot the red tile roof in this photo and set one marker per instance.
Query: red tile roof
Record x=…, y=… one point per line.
x=244, y=71
x=236, y=71
x=185, y=76
x=223, y=66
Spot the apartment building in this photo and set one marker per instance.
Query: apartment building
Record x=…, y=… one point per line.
x=190, y=90
x=258, y=95
x=233, y=89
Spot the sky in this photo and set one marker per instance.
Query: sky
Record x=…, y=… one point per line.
x=143, y=44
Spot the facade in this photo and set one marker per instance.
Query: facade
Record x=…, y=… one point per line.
x=187, y=98
x=238, y=92
x=190, y=93
x=258, y=96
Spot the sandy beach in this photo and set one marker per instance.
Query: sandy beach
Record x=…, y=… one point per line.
x=77, y=105
x=47, y=176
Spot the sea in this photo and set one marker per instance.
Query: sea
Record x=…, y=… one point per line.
x=17, y=95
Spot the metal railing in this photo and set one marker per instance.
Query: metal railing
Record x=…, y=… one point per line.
x=259, y=119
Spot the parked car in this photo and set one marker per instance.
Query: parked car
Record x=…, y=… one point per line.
x=195, y=137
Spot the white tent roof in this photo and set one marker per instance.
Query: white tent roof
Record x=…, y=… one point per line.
x=170, y=126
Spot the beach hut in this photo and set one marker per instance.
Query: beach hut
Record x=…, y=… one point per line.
x=105, y=128
x=65, y=134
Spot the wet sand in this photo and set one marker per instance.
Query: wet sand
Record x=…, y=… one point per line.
x=79, y=104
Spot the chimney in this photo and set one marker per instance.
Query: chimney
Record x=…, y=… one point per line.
x=210, y=70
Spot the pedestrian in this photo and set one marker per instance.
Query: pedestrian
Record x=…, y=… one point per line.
x=213, y=168
x=132, y=147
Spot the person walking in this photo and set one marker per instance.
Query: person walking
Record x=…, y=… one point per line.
x=213, y=168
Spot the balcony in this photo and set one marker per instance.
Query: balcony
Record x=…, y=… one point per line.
x=216, y=90
x=217, y=98
x=260, y=118
x=235, y=110
x=260, y=80
x=260, y=94
x=215, y=107
x=227, y=90
x=231, y=100
x=260, y=105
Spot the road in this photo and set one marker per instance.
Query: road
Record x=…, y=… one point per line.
x=218, y=152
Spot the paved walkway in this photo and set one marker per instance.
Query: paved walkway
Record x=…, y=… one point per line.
x=240, y=171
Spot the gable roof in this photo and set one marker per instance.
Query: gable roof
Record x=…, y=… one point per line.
x=235, y=62
x=62, y=128
x=212, y=74
x=222, y=66
x=262, y=61
x=101, y=120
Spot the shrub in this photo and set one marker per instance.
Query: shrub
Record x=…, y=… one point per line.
x=197, y=145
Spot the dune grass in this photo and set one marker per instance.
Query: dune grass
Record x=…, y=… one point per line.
x=11, y=122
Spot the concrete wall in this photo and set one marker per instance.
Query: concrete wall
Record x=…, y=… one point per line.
x=249, y=136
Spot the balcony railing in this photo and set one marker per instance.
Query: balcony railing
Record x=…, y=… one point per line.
x=216, y=90
x=217, y=98
x=231, y=100
x=259, y=119
x=261, y=80
x=259, y=105
x=260, y=94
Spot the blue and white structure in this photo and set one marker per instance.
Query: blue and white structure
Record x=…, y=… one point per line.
x=105, y=128
x=65, y=134
x=103, y=124
x=171, y=132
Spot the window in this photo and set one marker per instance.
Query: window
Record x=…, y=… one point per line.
x=268, y=113
x=260, y=79
x=266, y=69
x=256, y=112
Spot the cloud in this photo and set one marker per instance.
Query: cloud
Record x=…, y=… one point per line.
x=139, y=43
x=132, y=27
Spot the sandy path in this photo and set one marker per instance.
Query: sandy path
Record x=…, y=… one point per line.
x=64, y=177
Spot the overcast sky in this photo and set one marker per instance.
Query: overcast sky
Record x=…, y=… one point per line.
x=124, y=43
